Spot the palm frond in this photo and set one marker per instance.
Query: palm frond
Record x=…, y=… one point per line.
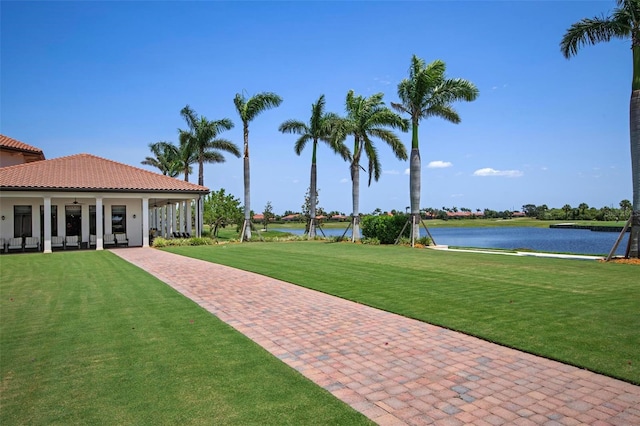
x=590, y=31
x=260, y=103
x=301, y=143
x=294, y=126
x=213, y=157
x=224, y=145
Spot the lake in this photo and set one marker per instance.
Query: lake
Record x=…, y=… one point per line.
x=579, y=241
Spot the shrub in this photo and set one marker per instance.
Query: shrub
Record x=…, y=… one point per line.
x=371, y=241
x=385, y=228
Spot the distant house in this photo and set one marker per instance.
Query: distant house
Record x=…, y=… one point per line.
x=290, y=217
x=89, y=197
x=13, y=152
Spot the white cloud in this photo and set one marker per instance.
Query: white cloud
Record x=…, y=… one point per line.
x=488, y=171
x=439, y=164
x=457, y=195
x=296, y=181
x=391, y=172
x=407, y=171
x=344, y=180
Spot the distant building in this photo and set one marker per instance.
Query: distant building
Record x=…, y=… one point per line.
x=88, y=197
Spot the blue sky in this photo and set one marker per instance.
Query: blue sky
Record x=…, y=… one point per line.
x=108, y=78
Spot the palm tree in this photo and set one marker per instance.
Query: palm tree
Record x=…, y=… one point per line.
x=186, y=154
x=165, y=158
x=623, y=23
x=248, y=109
x=428, y=93
x=368, y=118
x=319, y=128
x=202, y=140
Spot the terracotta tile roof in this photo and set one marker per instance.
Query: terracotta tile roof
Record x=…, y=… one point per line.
x=14, y=145
x=89, y=172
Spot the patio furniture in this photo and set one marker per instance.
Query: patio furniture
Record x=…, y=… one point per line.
x=92, y=241
x=57, y=242
x=32, y=243
x=109, y=240
x=14, y=244
x=3, y=245
x=71, y=241
x=186, y=235
x=121, y=239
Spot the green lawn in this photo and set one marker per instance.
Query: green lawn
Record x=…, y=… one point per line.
x=87, y=338
x=584, y=313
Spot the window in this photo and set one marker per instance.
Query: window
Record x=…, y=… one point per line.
x=22, y=221
x=118, y=219
x=54, y=221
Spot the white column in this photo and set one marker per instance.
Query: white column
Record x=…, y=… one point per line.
x=198, y=216
x=181, y=227
x=163, y=222
x=174, y=218
x=189, y=230
x=145, y=221
x=99, y=219
x=47, y=225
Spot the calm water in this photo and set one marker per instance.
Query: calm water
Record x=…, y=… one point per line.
x=579, y=241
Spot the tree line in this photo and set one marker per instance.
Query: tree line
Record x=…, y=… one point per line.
x=427, y=92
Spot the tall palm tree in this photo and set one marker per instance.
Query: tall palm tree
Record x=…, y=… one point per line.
x=202, y=139
x=165, y=158
x=623, y=23
x=428, y=93
x=319, y=129
x=368, y=118
x=186, y=154
x=248, y=109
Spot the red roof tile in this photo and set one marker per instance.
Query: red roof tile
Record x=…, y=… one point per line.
x=89, y=172
x=15, y=145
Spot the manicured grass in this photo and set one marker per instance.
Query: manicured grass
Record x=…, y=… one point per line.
x=87, y=338
x=584, y=313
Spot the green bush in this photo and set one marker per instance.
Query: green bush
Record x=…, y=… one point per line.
x=385, y=228
x=193, y=241
x=371, y=241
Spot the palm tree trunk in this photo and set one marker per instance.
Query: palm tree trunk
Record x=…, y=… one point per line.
x=355, y=197
x=246, y=234
x=634, y=127
x=414, y=190
x=414, y=182
x=200, y=171
x=312, y=202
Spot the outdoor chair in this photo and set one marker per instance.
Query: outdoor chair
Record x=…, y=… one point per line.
x=14, y=244
x=92, y=241
x=71, y=241
x=3, y=245
x=57, y=242
x=176, y=234
x=121, y=239
x=186, y=235
x=31, y=243
x=109, y=240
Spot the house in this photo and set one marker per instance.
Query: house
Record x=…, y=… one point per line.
x=89, y=197
x=14, y=152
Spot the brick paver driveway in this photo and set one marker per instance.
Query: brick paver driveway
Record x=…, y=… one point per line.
x=393, y=369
